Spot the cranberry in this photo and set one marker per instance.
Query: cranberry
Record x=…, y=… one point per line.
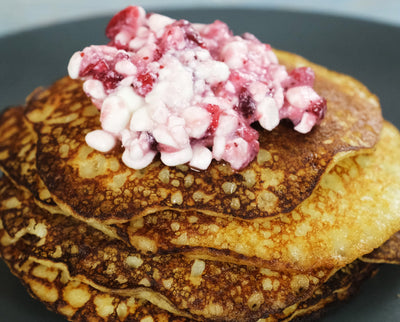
x=247, y=105
x=111, y=80
x=250, y=135
x=301, y=76
x=121, y=55
x=157, y=54
x=218, y=31
x=218, y=89
x=170, y=39
x=318, y=108
x=247, y=133
x=181, y=31
x=215, y=112
x=152, y=142
x=101, y=71
x=195, y=38
x=238, y=79
x=97, y=67
x=127, y=18
x=191, y=35
x=144, y=83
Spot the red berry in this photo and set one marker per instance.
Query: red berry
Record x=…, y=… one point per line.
x=302, y=76
x=179, y=32
x=215, y=112
x=192, y=37
x=111, y=80
x=318, y=108
x=144, y=83
x=101, y=71
x=248, y=133
x=99, y=66
x=127, y=18
x=247, y=105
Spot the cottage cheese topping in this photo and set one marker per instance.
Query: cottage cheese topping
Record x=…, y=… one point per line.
x=189, y=91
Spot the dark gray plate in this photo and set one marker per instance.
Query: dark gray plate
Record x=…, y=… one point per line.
x=368, y=51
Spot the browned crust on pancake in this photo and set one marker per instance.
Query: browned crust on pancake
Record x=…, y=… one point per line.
x=344, y=284
x=223, y=290
x=18, y=153
x=343, y=219
x=59, y=294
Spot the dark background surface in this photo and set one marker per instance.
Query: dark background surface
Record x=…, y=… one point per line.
x=367, y=51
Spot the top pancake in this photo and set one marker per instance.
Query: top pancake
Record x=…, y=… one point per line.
x=352, y=211
x=339, y=197
x=285, y=172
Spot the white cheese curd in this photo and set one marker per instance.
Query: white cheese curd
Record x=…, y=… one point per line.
x=101, y=140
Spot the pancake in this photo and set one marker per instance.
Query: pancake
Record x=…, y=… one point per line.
x=245, y=242
x=39, y=248
x=287, y=169
x=18, y=159
x=52, y=282
x=18, y=153
x=340, y=287
x=23, y=230
x=211, y=237
x=182, y=285
x=388, y=253
x=78, y=301
x=349, y=214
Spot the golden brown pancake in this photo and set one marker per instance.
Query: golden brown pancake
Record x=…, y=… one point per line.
x=18, y=153
x=271, y=242
x=78, y=271
x=340, y=287
x=287, y=169
x=78, y=301
x=182, y=285
x=349, y=214
x=260, y=241
x=388, y=253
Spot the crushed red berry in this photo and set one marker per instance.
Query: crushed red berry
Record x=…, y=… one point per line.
x=157, y=54
x=247, y=105
x=190, y=34
x=144, y=83
x=127, y=19
x=101, y=71
x=250, y=135
x=95, y=68
x=215, y=112
x=301, y=76
x=318, y=108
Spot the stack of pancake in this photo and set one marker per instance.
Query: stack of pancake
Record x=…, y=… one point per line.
x=299, y=228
